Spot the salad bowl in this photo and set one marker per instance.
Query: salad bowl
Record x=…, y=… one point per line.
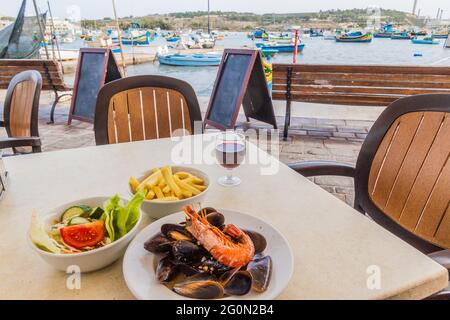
x=90, y=260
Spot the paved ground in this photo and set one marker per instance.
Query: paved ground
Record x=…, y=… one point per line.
x=310, y=139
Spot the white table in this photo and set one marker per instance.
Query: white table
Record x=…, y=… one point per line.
x=333, y=244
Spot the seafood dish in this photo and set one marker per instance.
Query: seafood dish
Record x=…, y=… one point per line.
x=205, y=258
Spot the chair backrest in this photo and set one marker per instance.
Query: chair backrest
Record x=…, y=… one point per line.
x=21, y=106
x=403, y=171
x=50, y=70
x=356, y=85
x=143, y=108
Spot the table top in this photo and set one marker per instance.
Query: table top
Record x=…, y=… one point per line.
x=334, y=246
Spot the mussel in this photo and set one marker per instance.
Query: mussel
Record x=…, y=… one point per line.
x=261, y=270
x=166, y=270
x=201, y=286
x=259, y=241
x=158, y=244
x=239, y=284
x=175, y=232
x=211, y=265
x=216, y=219
x=188, y=252
x=208, y=210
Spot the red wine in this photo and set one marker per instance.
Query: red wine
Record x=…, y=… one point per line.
x=230, y=154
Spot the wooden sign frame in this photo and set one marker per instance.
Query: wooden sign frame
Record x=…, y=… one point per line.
x=245, y=98
x=108, y=57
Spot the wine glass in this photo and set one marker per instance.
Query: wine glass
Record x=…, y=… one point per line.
x=230, y=152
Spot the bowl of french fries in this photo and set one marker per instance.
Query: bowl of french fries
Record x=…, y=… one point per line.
x=170, y=189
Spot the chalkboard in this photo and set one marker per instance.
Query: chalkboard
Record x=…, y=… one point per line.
x=95, y=68
x=240, y=81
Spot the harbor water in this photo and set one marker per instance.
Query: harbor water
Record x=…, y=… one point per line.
x=317, y=51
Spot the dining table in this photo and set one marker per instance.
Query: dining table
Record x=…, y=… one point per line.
x=337, y=250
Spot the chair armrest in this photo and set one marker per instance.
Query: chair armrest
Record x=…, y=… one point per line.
x=20, y=142
x=323, y=168
x=442, y=257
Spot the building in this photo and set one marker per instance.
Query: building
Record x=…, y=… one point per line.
x=62, y=27
x=4, y=23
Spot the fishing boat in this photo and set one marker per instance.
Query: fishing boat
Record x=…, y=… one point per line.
x=173, y=39
x=355, y=37
x=382, y=35
x=280, y=47
x=258, y=33
x=315, y=33
x=385, y=31
x=426, y=40
x=401, y=36
x=441, y=35
x=190, y=60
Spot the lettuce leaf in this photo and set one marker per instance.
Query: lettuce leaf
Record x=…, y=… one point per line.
x=128, y=216
x=40, y=238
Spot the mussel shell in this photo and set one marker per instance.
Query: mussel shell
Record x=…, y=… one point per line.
x=212, y=266
x=216, y=219
x=240, y=284
x=166, y=270
x=188, y=252
x=170, y=230
x=186, y=269
x=259, y=241
x=208, y=210
x=202, y=289
x=158, y=244
x=261, y=270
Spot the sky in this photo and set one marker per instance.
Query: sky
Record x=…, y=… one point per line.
x=88, y=9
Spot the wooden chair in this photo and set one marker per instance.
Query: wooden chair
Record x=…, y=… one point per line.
x=144, y=108
x=402, y=176
x=21, y=112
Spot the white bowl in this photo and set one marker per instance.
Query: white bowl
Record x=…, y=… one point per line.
x=140, y=272
x=91, y=260
x=160, y=209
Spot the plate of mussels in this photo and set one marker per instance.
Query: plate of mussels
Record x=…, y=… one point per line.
x=208, y=254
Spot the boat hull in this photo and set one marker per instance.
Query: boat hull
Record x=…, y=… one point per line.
x=189, y=60
x=282, y=48
x=419, y=41
x=364, y=38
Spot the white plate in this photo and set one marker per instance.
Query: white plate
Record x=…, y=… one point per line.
x=139, y=264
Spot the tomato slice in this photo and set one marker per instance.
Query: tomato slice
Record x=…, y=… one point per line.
x=83, y=235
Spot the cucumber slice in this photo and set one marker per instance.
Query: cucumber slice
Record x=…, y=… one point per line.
x=76, y=211
x=96, y=213
x=78, y=220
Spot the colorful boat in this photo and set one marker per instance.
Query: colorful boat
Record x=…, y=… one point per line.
x=355, y=37
x=382, y=35
x=258, y=33
x=173, y=39
x=441, y=35
x=190, y=60
x=401, y=36
x=280, y=47
x=426, y=40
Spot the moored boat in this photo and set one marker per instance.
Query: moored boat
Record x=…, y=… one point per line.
x=441, y=35
x=426, y=40
x=281, y=47
x=401, y=36
x=355, y=37
x=382, y=35
x=190, y=60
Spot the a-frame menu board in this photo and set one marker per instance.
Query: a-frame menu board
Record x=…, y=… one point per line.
x=240, y=82
x=96, y=67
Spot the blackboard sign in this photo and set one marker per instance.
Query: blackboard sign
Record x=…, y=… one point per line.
x=95, y=68
x=240, y=81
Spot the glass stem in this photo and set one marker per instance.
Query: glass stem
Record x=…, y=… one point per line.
x=229, y=175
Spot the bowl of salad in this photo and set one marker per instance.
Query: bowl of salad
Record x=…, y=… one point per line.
x=89, y=233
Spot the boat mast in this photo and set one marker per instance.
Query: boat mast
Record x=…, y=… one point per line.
x=209, y=21
x=41, y=29
x=56, y=40
x=119, y=37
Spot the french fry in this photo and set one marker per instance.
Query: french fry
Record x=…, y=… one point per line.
x=182, y=175
x=158, y=192
x=162, y=183
x=150, y=195
x=134, y=184
x=198, y=187
x=168, y=176
x=166, y=189
x=169, y=199
x=150, y=180
x=186, y=193
x=186, y=186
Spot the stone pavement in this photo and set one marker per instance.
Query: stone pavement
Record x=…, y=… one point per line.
x=310, y=139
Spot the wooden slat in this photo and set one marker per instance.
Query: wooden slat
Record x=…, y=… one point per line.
x=363, y=69
x=442, y=236
x=136, y=117
x=358, y=90
x=177, y=111
x=21, y=107
x=150, y=125
x=121, y=117
x=427, y=177
x=112, y=137
x=412, y=163
x=366, y=100
x=162, y=109
x=358, y=82
x=26, y=62
x=394, y=158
